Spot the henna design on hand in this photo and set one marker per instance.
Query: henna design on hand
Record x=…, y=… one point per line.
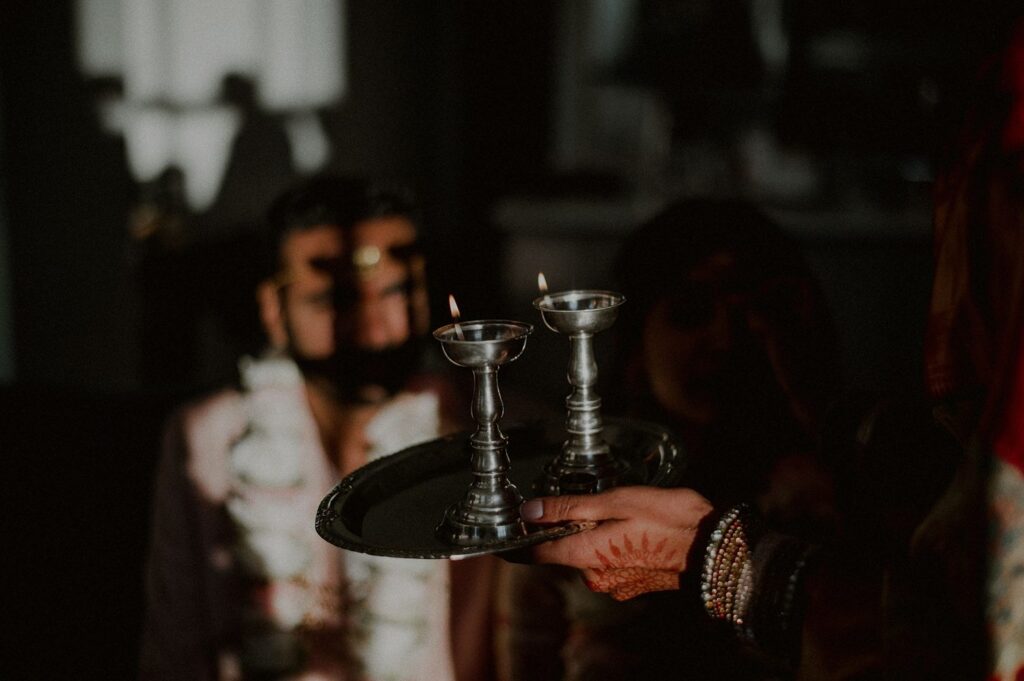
x=625, y=583
x=633, y=570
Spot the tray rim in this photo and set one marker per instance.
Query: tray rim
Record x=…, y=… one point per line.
x=666, y=476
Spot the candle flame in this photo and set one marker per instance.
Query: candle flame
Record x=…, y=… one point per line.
x=455, y=315
x=542, y=283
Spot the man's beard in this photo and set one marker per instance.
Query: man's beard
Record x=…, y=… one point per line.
x=361, y=375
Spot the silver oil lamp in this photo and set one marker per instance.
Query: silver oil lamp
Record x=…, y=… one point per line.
x=489, y=512
x=586, y=462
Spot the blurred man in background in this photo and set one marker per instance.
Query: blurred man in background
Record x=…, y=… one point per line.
x=239, y=584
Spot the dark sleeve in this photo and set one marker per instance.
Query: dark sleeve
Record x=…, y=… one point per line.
x=814, y=610
x=838, y=609
x=175, y=639
x=840, y=624
x=778, y=598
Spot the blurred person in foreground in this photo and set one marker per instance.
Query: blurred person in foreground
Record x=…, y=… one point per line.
x=725, y=341
x=239, y=584
x=920, y=581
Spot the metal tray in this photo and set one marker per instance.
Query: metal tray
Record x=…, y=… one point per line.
x=392, y=506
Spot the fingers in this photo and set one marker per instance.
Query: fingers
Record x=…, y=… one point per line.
x=558, y=509
x=583, y=550
x=682, y=507
x=621, y=502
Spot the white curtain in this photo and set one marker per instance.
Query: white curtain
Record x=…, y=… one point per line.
x=172, y=57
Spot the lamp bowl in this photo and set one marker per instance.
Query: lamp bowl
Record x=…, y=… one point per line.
x=483, y=343
x=576, y=312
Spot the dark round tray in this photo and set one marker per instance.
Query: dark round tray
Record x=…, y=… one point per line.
x=392, y=506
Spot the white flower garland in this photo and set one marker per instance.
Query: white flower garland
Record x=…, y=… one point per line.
x=1006, y=570
x=271, y=502
x=399, y=606
x=397, y=610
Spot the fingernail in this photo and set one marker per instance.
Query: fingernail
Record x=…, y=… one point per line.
x=532, y=510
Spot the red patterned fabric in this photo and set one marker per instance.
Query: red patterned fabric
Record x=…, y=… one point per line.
x=977, y=307
x=1013, y=133
x=1010, y=443
x=975, y=345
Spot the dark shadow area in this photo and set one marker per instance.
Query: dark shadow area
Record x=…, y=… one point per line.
x=78, y=471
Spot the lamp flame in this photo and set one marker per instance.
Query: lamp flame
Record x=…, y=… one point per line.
x=542, y=286
x=455, y=316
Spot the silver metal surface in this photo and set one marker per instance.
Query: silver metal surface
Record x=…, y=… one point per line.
x=393, y=506
x=586, y=463
x=489, y=511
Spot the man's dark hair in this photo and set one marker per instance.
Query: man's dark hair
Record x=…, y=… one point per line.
x=331, y=200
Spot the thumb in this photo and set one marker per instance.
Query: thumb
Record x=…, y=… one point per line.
x=570, y=507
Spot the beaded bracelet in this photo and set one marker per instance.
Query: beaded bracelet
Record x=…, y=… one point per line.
x=727, y=578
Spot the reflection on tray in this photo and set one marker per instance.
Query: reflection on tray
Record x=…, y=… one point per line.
x=392, y=507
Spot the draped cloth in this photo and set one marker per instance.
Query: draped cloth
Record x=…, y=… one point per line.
x=974, y=344
x=973, y=340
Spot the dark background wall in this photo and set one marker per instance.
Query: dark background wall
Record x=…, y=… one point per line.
x=103, y=334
